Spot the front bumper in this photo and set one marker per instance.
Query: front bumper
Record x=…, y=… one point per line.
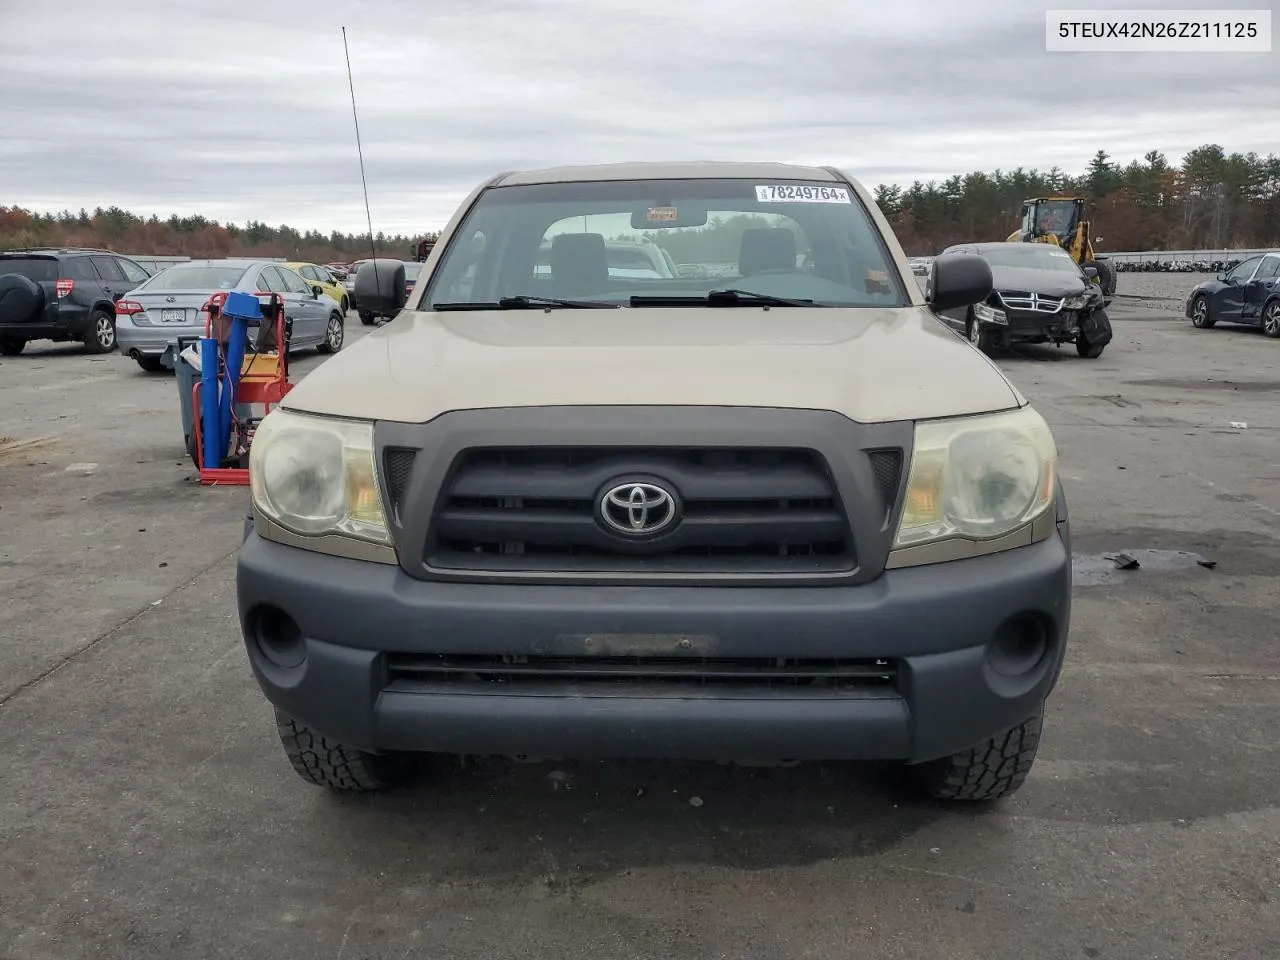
x=937, y=624
x=1061, y=327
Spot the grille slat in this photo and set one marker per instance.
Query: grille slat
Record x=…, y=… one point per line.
x=551, y=527
x=742, y=511
x=406, y=671
x=694, y=481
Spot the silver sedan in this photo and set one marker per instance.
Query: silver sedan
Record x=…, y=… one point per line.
x=172, y=305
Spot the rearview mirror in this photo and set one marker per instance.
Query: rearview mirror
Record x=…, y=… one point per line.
x=379, y=286
x=959, y=280
x=661, y=216
x=1091, y=273
x=316, y=290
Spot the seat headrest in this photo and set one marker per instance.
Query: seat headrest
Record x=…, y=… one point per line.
x=579, y=264
x=768, y=248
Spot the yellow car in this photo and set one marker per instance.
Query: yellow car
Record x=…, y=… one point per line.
x=313, y=273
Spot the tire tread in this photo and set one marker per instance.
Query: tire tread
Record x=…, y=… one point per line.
x=327, y=763
x=991, y=770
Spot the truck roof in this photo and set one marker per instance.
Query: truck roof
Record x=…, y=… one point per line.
x=666, y=170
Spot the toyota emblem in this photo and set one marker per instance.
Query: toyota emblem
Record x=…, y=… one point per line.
x=638, y=509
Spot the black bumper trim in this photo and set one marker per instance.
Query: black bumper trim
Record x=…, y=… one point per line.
x=935, y=621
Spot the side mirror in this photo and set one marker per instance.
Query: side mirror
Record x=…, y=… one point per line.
x=316, y=290
x=959, y=280
x=1091, y=273
x=380, y=287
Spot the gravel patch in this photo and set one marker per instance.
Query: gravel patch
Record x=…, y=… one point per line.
x=1159, y=286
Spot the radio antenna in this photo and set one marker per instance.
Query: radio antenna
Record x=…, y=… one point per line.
x=373, y=250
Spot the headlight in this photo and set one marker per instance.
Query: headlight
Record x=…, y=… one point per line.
x=978, y=477
x=1075, y=303
x=984, y=311
x=316, y=475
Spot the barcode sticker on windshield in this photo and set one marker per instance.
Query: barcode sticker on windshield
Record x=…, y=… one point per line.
x=801, y=193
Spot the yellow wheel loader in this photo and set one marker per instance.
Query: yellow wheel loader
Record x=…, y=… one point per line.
x=1060, y=220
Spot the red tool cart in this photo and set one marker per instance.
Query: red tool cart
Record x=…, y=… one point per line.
x=262, y=382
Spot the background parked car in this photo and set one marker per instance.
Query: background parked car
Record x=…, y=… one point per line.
x=349, y=283
x=173, y=304
x=63, y=294
x=1249, y=293
x=328, y=283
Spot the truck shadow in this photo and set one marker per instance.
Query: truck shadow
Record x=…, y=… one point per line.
x=581, y=821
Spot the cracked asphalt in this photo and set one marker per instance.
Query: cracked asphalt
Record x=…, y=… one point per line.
x=147, y=810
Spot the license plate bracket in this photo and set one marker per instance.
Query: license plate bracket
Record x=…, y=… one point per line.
x=604, y=644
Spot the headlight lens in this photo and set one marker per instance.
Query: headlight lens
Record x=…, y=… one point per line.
x=1075, y=303
x=978, y=477
x=984, y=311
x=316, y=475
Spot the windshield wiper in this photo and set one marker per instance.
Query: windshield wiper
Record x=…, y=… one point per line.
x=720, y=298
x=527, y=302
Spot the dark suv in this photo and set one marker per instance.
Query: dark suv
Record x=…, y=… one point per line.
x=63, y=294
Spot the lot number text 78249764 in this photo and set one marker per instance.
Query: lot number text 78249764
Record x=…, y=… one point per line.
x=801, y=193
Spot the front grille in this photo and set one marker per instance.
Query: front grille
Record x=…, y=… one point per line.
x=484, y=673
x=1031, y=302
x=743, y=511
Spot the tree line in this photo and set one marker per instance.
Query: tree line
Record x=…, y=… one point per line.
x=1210, y=199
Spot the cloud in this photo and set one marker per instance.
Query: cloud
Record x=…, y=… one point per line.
x=242, y=111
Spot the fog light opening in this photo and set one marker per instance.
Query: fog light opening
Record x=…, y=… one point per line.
x=1019, y=646
x=278, y=637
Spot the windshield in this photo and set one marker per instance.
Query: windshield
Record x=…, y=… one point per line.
x=1055, y=216
x=203, y=277
x=1036, y=256
x=608, y=241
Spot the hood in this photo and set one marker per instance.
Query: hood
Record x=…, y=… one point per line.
x=1049, y=283
x=870, y=365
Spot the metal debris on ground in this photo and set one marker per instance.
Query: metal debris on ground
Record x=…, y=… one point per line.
x=1123, y=561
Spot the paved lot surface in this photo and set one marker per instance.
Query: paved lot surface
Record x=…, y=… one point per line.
x=147, y=811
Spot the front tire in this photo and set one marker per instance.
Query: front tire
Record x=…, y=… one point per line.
x=333, y=335
x=11, y=346
x=1200, y=318
x=991, y=770
x=1087, y=350
x=367, y=318
x=1106, y=277
x=346, y=305
x=101, y=337
x=978, y=334
x=1271, y=319
x=328, y=763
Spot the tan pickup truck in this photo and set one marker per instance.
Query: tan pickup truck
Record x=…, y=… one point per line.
x=768, y=508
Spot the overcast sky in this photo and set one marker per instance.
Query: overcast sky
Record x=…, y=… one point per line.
x=240, y=110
